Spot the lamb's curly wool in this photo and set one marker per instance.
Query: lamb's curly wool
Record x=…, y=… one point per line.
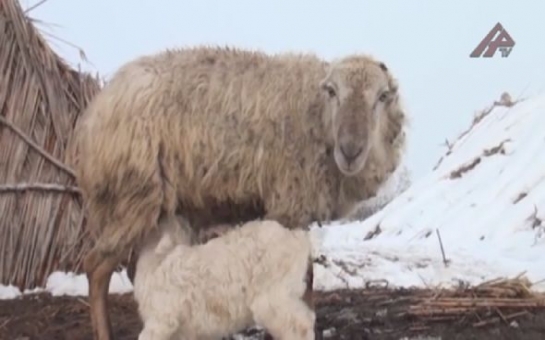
x=187, y=235
x=222, y=135
x=251, y=274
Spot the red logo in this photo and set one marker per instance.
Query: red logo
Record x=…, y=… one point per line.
x=497, y=38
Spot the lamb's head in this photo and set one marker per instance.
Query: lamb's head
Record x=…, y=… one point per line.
x=359, y=92
x=174, y=230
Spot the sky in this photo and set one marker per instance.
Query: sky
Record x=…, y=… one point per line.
x=425, y=43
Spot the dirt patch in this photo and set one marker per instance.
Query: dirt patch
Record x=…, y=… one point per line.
x=382, y=314
x=375, y=313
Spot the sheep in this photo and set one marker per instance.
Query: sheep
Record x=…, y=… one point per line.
x=257, y=273
x=225, y=135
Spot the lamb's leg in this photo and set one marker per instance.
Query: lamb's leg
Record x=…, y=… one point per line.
x=308, y=296
x=297, y=213
x=285, y=318
x=160, y=329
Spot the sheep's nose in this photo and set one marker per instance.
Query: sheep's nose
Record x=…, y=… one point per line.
x=351, y=151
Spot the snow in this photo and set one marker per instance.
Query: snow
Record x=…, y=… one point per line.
x=398, y=182
x=488, y=230
x=61, y=283
x=9, y=292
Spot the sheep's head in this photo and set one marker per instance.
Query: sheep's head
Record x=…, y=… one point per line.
x=360, y=91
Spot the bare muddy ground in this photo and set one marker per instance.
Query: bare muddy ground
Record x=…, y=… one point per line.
x=350, y=314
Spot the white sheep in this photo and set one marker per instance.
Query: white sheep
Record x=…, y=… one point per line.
x=255, y=274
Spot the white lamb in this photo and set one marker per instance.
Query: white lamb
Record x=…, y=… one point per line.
x=257, y=274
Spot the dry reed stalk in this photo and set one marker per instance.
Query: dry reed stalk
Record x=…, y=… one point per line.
x=420, y=311
x=485, y=302
x=41, y=98
x=489, y=302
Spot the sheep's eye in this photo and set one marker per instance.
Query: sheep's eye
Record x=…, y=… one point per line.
x=330, y=91
x=383, y=96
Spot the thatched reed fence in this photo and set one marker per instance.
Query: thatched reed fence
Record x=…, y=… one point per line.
x=42, y=228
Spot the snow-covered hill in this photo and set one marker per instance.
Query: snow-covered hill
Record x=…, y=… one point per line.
x=485, y=200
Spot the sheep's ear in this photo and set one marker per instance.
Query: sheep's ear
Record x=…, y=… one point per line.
x=327, y=78
x=326, y=81
x=392, y=84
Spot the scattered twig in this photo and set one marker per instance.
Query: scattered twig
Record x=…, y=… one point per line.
x=83, y=302
x=371, y=234
x=39, y=187
x=504, y=319
x=36, y=147
x=438, y=163
x=496, y=149
x=479, y=302
x=36, y=5
x=505, y=100
x=344, y=267
x=449, y=146
x=445, y=260
x=496, y=319
x=465, y=168
x=473, y=163
x=486, y=322
x=536, y=221
x=5, y=322
x=520, y=197
x=322, y=260
x=81, y=52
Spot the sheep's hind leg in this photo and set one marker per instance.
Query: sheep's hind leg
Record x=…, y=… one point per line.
x=99, y=268
x=110, y=248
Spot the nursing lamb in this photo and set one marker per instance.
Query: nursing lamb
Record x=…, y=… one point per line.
x=255, y=274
